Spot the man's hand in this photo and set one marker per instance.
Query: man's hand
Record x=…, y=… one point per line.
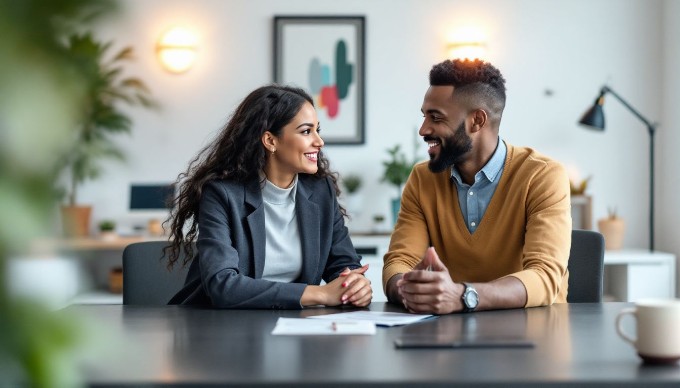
x=428, y=288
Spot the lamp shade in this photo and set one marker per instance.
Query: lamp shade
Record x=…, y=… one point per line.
x=594, y=117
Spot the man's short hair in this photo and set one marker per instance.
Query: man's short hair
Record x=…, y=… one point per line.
x=475, y=81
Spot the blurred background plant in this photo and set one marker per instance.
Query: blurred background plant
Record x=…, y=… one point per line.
x=352, y=183
x=397, y=168
x=41, y=95
x=578, y=187
x=101, y=117
x=107, y=226
x=351, y=197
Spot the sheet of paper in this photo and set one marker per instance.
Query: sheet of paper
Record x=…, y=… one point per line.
x=377, y=317
x=304, y=326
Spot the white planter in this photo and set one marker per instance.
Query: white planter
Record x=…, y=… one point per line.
x=53, y=281
x=354, y=203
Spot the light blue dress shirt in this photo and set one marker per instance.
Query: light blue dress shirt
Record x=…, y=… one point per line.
x=474, y=199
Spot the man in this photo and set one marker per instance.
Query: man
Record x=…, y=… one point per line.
x=484, y=225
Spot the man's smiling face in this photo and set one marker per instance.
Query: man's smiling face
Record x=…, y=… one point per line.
x=443, y=129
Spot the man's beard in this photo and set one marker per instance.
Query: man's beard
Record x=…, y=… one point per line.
x=453, y=149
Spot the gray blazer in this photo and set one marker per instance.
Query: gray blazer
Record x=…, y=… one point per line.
x=227, y=270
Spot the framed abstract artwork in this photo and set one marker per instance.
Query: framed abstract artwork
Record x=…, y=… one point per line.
x=325, y=56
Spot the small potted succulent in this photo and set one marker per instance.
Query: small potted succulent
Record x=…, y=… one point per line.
x=107, y=230
x=378, y=223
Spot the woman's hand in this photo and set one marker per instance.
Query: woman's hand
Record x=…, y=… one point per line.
x=351, y=287
x=357, y=287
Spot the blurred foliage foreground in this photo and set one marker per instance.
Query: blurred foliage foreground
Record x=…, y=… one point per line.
x=40, y=92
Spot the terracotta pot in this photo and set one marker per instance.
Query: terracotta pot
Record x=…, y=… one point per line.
x=155, y=228
x=613, y=230
x=76, y=220
x=116, y=280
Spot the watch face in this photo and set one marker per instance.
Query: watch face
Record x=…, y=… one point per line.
x=471, y=299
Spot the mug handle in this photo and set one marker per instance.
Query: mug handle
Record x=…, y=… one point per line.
x=619, y=328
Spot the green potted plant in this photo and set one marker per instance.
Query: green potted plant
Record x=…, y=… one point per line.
x=100, y=118
x=397, y=170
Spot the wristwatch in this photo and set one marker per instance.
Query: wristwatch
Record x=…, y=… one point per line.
x=470, y=298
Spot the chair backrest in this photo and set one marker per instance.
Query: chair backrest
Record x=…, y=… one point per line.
x=586, y=267
x=146, y=279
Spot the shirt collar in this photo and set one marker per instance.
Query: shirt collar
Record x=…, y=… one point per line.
x=494, y=166
x=491, y=169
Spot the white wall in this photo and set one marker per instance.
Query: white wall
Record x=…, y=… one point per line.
x=668, y=158
x=570, y=47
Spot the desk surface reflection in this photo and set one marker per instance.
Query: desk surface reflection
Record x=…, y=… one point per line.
x=575, y=344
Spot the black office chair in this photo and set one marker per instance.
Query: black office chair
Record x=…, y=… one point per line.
x=586, y=267
x=146, y=279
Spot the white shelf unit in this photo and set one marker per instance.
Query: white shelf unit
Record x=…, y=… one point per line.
x=95, y=257
x=372, y=248
x=632, y=274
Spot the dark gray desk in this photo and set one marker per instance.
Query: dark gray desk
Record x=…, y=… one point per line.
x=575, y=345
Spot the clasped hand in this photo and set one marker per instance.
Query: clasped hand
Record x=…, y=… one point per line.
x=428, y=288
x=351, y=287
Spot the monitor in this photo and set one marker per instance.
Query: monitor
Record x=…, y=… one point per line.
x=150, y=204
x=151, y=197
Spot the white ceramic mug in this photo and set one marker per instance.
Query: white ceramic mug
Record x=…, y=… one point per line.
x=658, y=329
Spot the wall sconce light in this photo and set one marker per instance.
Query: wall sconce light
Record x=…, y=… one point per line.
x=467, y=43
x=177, y=49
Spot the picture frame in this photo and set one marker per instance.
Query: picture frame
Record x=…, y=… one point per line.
x=326, y=56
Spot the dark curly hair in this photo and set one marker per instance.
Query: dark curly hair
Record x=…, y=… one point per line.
x=478, y=83
x=236, y=153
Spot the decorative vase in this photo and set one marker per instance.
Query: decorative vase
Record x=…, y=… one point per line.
x=76, y=220
x=612, y=228
x=396, y=205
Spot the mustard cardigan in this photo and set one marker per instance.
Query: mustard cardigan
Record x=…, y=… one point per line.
x=525, y=232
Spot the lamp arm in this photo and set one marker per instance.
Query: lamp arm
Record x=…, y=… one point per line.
x=650, y=129
x=650, y=126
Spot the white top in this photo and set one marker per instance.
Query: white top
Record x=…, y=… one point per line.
x=283, y=250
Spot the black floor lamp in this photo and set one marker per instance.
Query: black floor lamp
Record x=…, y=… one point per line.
x=594, y=119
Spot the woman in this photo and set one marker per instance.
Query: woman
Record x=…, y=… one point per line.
x=265, y=203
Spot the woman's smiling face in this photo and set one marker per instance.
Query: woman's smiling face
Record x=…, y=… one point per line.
x=297, y=147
